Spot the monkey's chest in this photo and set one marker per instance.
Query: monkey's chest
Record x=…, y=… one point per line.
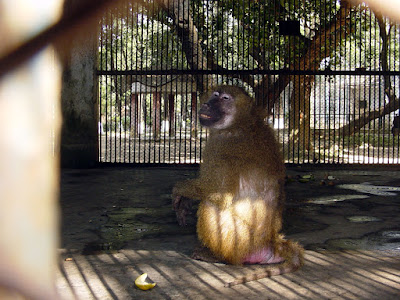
x=229, y=160
x=226, y=169
x=221, y=177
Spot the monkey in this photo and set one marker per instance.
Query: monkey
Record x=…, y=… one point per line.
x=240, y=188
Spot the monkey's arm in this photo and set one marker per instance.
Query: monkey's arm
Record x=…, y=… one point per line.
x=183, y=194
x=188, y=188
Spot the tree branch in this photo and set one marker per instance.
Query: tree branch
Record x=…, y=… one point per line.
x=188, y=35
x=393, y=103
x=312, y=58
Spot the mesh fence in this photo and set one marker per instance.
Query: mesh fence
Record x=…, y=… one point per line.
x=326, y=71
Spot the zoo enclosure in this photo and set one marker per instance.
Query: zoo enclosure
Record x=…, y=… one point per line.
x=326, y=71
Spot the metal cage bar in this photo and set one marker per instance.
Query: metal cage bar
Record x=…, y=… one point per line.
x=329, y=79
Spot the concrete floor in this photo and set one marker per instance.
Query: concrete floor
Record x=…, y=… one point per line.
x=117, y=223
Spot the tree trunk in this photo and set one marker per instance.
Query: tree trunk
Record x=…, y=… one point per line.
x=328, y=37
x=299, y=123
x=178, y=10
x=393, y=104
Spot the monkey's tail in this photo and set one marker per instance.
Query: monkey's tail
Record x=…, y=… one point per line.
x=294, y=262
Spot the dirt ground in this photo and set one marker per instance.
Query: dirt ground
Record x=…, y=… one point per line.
x=117, y=223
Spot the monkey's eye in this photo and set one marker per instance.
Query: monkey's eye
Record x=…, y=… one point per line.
x=225, y=97
x=216, y=94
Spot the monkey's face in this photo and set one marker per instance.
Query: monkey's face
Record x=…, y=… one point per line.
x=219, y=112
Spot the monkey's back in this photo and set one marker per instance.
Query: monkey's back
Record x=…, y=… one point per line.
x=230, y=154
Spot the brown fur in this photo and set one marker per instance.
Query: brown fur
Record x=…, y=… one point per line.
x=240, y=189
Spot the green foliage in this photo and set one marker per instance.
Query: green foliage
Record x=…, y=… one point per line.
x=234, y=35
x=140, y=40
x=239, y=34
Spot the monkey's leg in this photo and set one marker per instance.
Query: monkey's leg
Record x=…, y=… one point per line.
x=204, y=254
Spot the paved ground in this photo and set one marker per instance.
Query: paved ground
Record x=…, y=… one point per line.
x=118, y=224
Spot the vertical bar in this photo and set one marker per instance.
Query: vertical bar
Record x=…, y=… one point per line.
x=193, y=122
x=186, y=125
x=108, y=85
x=30, y=123
x=141, y=97
x=156, y=116
x=115, y=93
x=100, y=99
x=134, y=115
x=125, y=88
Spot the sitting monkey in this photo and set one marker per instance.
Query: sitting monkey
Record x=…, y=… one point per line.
x=240, y=187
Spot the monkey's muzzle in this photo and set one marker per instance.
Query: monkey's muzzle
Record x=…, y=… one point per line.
x=206, y=120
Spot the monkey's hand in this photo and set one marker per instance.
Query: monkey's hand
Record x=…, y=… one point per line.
x=182, y=207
